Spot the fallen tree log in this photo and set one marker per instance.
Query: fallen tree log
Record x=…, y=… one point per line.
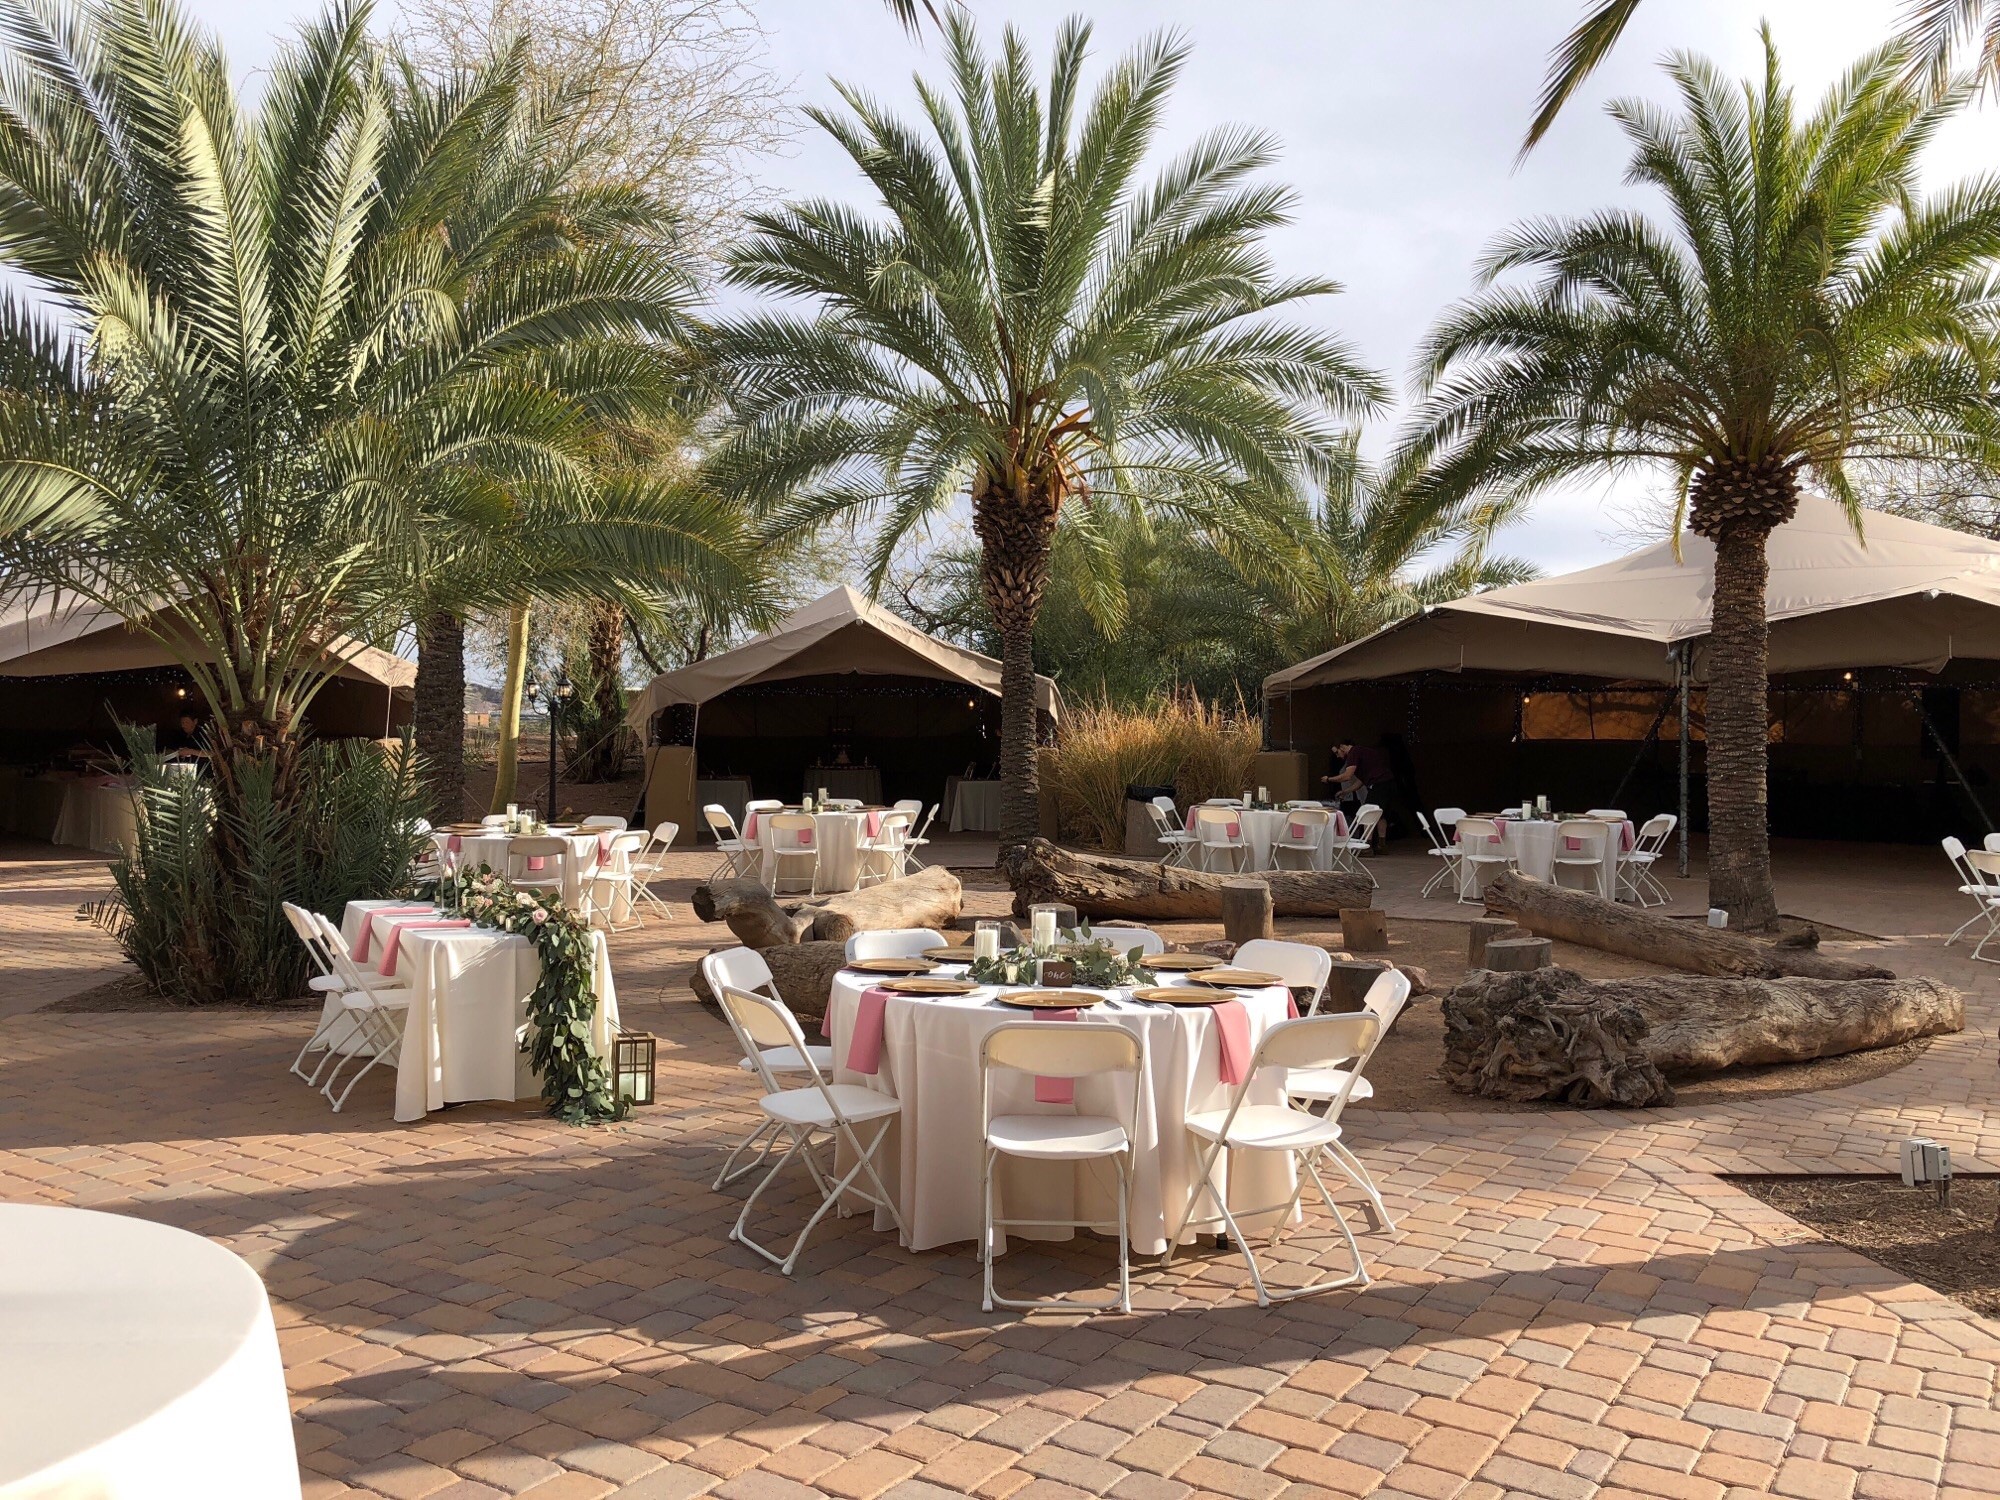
x=803, y=974
x=1100, y=886
x=1552, y=1034
x=932, y=897
x=1580, y=917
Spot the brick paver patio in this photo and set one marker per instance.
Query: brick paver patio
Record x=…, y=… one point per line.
x=491, y=1304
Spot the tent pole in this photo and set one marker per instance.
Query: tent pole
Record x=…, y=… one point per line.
x=1682, y=826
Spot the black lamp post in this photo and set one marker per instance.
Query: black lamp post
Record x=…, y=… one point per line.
x=559, y=693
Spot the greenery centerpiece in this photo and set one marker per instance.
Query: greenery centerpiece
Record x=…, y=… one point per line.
x=577, y=1084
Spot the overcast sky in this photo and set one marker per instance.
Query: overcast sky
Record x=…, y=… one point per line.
x=1399, y=121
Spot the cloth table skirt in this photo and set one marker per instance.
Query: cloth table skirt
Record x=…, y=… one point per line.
x=930, y=1061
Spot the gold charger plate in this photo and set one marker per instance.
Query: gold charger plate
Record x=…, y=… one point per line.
x=950, y=955
x=1235, y=978
x=1049, y=999
x=890, y=965
x=927, y=986
x=1180, y=995
x=1182, y=963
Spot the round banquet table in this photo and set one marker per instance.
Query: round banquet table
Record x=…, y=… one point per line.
x=839, y=836
x=586, y=846
x=137, y=1362
x=1262, y=826
x=930, y=1162
x=469, y=989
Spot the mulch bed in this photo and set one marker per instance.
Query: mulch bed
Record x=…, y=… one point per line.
x=1955, y=1251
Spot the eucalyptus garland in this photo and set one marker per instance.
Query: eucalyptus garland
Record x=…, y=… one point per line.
x=577, y=1084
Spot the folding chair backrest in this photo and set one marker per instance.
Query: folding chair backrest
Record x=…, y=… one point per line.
x=796, y=833
x=738, y=968
x=1075, y=1051
x=602, y=820
x=1479, y=835
x=1303, y=966
x=901, y=942
x=1125, y=938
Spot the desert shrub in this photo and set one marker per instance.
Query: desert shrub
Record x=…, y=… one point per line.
x=198, y=907
x=1196, y=747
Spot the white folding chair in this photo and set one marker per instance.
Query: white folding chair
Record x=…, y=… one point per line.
x=1586, y=844
x=1125, y=938
x=835, y=1110
x=739, y=856
x=378, y=1011
x=1309, y=1042
x=1442, y=850
x=1347, y=852
x=1635, y=865
x=1385, y=1000
x=899, y=942
x=1481, y=846
x=1177, y=843
x=1073, y=1052
x=1982, y=884
x=603, y=820
x=791, y=839
x=920, y=839
x=615, y=875
x=745, y=969
x=886, y=855
x=651, y=865
x=1305, y=833
x=1218, y=833
x=1303, y=966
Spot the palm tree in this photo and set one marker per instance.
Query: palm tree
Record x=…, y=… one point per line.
x=1933, y=31
x=1031, y=325
x=274, y=352
x=1801, y=308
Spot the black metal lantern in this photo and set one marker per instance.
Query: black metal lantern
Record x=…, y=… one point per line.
x=632, y=1063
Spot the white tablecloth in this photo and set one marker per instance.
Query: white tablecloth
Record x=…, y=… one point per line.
x=930, y=1061
x=137, y=1362
x=469, y=1011
x=475, y=849
x=975, y=807
x=1531, y=844
x=839, y=836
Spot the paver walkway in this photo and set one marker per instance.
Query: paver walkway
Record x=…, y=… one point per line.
x=489, y=1304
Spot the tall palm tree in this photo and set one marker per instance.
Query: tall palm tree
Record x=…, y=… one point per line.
x=1030, y=324
x=1802, y=307
x=1934, y=32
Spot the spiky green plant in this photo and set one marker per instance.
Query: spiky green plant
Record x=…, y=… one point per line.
x=1803, y=306
x=1028, y=323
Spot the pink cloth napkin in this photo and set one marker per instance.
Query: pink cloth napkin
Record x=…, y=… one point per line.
x=361, y=944
x=394, y=940
x=864, y=1046
x=1055, y=1090
x=1232, y=1035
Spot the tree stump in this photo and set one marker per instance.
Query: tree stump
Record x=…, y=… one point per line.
x=1364, y=929
x=1246, y=910
x=1517, y=955
x=1485, y=930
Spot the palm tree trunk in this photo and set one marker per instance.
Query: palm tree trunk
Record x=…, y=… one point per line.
x=1739, y=842
x=1015, y=527
x=439, y=712
x=510, y=709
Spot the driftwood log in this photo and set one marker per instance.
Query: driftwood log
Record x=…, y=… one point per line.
x=1552, y=1034
x=803, y=973
x=1100, y=886
x=930, y=898
x=1580, y=917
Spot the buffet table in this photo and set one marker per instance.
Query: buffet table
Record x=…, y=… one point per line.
x=136, y=1361
x=469, y=989
x=929, y=1059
